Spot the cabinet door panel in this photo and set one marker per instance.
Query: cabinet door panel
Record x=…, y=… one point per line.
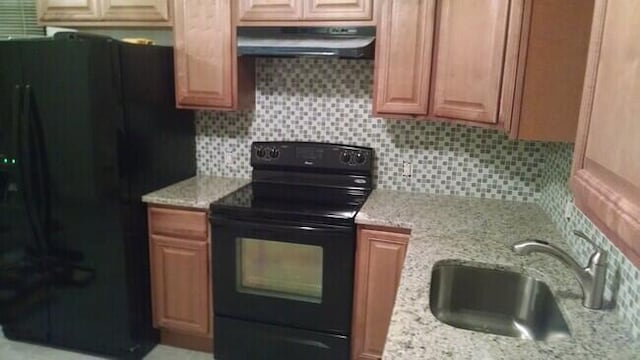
x=379, y=262
x=138, y=10
x=338, y=9
x=606, y=179
x=403, y=57
x=69, y=10
x=553, y=63
x=269, y=10
x=204, y=54
x=470, y=48
x=180, y=284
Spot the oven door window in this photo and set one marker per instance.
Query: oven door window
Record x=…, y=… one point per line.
x=279, y=269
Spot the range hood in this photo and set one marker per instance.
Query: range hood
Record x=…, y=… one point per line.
x=350, y=42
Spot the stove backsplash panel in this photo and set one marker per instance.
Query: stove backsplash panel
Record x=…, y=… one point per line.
x=330, y=100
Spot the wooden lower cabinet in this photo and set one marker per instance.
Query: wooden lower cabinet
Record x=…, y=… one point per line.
x=379, y=260
x=180, y=283
x=181, y=277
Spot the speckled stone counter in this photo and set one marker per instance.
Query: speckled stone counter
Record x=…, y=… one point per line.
x=480, y=232
x=197, y=192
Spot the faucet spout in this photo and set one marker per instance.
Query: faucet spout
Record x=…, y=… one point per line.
x=591, y=278
x=538, y=246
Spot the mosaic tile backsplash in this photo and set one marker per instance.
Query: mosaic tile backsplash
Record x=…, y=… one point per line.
x=329, y=100
x=623, y=278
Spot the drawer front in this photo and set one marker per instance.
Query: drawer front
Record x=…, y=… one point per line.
x=184, y=224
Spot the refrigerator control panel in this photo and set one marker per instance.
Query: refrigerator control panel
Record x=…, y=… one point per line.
x=7, y=161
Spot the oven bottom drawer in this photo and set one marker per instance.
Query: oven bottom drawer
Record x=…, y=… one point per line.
x=237, y=339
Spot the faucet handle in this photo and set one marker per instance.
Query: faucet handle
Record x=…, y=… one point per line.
x=599, y=257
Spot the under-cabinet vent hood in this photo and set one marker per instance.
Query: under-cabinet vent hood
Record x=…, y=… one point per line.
x=349, y=42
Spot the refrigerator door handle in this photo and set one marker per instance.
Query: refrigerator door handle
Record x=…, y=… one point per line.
x=28, y=151
x=123, y=164
x=16, y=99
x=41, y=169
x=24, y=166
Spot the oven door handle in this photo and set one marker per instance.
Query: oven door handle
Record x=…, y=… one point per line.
x=278, y=226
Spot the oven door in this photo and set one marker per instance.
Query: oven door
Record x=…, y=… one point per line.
x=284, y=274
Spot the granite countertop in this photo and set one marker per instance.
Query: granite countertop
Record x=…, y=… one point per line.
x=479, y=232
x=197, y=192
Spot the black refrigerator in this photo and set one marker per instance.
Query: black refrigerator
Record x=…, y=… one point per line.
x=87, y=126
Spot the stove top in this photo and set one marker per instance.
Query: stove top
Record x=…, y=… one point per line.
x=302, y=182
x=298, y=203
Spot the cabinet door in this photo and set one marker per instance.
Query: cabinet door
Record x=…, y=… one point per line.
x=269, y=10
x=403, y=57
x=135, y=10
x=470, y=47
x=379, y=261
x=338, y=9
x=551, y=69
x=179, y=275
x=204, y=53
x=606, y=169
x=68, y=10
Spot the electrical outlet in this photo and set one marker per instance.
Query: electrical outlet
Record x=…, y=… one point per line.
x=228, y=158
x=567, y=210
x=407, y=169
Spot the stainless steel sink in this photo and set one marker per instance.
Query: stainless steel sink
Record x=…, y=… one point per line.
x=495, y=301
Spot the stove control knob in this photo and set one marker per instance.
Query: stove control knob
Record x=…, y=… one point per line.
x=360, y=157
x=274, y=153
x=261, y=152
x=345, y=157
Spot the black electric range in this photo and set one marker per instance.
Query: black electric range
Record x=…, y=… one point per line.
x=284, y=252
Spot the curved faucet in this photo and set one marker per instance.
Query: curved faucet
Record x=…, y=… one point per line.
x=591, y=278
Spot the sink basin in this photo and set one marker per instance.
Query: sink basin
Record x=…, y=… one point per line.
x=495, y=301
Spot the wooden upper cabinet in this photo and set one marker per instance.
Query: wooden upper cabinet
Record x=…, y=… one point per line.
x=105, y=12
x=205, y=55
x=606, y=170
x=379, y=262
x=470, y=48
x=551, y=69
x=269, y=10
x=338, y=10
x=68, y=10
x=516, y=65
x=403, y=57
x=135, y=10
x=288, y=12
